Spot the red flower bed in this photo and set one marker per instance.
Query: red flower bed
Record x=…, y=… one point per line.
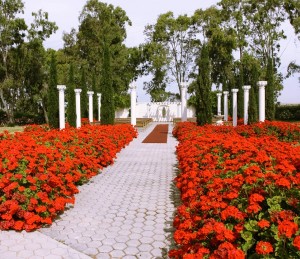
x=239, y=190
x=40, y=169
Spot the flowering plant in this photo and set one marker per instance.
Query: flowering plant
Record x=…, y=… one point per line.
x=239, y=190
x=40, y=169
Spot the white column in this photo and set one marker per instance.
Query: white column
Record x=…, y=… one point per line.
x=61, y=90
x=78, y=109
x=246, y=89
x=219, y=95
x=183, y=87
x=225, y=105
x=90, y=94
x=234, y=106
x=262, y=100
x=132, y=87
x=99, y=106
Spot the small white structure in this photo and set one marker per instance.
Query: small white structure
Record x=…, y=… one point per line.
x=183, y=87
x=219, y=95
x=78, y=109
x=99, y=106
x=90, y=94
x=262, y=100
x=246, y=89
x=234, y=106
x=225, y=105
x=158, y=111
x=132, y=88
x=61, y=92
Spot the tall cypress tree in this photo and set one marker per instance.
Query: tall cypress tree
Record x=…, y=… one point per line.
x=240, y=94
x=71, y=110
x=203, y=89
x=270, y=93
x=107, y=107
x=83, y=95
x=253, y=94
x=95, y=98
x=52, y=95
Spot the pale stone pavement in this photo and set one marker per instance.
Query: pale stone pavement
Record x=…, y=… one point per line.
x=124, y=212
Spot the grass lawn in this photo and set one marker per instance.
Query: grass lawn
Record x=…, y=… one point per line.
x=12, y=129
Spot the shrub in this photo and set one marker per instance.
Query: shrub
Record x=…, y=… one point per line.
x=288, y=112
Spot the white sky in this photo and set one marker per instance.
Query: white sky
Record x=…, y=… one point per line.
x=142, y=12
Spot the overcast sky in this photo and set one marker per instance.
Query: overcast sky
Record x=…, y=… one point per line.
x=142, y=12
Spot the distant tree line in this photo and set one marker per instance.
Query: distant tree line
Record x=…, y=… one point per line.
x=199, y=48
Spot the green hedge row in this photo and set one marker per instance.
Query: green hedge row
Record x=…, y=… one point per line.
x=288, y=112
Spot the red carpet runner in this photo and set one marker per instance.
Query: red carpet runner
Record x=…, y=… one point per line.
x=158, y=135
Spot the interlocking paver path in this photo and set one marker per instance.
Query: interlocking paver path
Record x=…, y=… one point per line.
x=121, y=213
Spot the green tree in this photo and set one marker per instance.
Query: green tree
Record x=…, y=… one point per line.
x=95, y=98
x=171, y=49
x=292, y=7
x=251, y=68
x=270, y=93
x=83, y=95
x=12, y=33
x=107, y=99
x=52, y=100
x=71, y=108
x=203, y=89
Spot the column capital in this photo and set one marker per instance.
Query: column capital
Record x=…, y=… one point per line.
x=262, y=83
x=77, y=91
x=61, y=87
x=246, y=87
x=226, y=92
x=234, y=90
x=132, y=86
x=99, y=95
x=183, y=85
x=219, y=94
x=90, y=92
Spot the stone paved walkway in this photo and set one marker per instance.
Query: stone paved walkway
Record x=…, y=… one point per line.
x=121, y=213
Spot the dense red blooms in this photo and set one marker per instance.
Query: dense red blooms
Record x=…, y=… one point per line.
x=40, y=169
x=263, y=248
x=296, y=242
x=263, y=223
x=287, y=228
x=237, y=184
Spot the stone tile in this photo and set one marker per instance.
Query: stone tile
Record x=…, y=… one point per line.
x=133, y=242
x=105, y=249
x=145, y=248
x=131, y=250
x=117, y=254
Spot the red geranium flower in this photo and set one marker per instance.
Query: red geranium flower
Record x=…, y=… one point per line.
x=296, y=242
x=263, y=248
x=287, y=228
x=263, y=223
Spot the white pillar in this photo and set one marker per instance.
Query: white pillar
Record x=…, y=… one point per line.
x=132, y=87
x=219, y=95
x=61, y=90
x=90, y=94
x=234, y=106
x=78, y=109
x=246, y=89
x=183, y=87
x=262, y=100
x=225, y=105
x=99, y=106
